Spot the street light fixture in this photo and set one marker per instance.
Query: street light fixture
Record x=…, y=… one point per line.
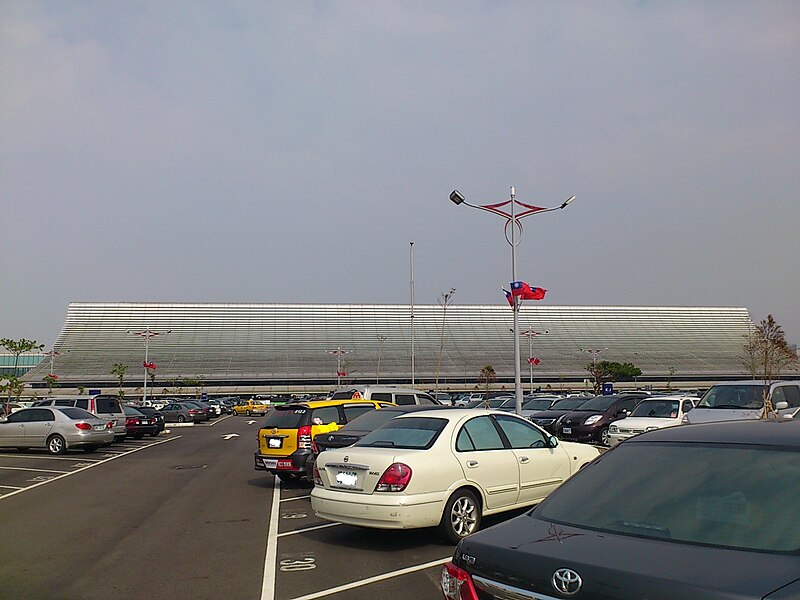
x=530, y=334
x=338, y=353
x=381, y=339
x=147, y=334
x=513, y=224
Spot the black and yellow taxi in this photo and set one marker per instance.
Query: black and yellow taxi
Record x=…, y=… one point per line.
x=284, y=439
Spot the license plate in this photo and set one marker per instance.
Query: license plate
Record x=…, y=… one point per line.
x=567, y=430
x=99, y=427
x=347, y=478
x=270, y=464
x=275, y=442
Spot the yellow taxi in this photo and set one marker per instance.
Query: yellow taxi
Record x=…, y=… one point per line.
x=251, y=407
x=284, y=440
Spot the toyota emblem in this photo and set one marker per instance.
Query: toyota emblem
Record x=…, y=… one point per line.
x=567, y=581
x=331, y=438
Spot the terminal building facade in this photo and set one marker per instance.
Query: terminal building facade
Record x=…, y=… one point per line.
x=241, y=348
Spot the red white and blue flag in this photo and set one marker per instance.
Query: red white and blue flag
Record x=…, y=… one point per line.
x=508, y=297
x=526, y=292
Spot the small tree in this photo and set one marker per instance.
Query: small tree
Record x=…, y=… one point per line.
x=50, y=379
x=606, y=370
x=768, y=353
x=17, y=347
x=119, y=369
x=487, y=377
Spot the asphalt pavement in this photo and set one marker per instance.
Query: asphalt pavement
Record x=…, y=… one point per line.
x=184, y=515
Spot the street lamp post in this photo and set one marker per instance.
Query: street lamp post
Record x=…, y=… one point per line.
x=381, y=339
x=513, y=224
x=52, y=354
x=147, y=334
x=338, y=353
x=530, y=334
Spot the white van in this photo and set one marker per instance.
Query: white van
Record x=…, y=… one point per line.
x=734, y=400
x=400, y=396
x=105, y=406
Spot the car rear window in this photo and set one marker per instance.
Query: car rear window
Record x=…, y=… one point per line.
x=77, y=414
x=412, y=433
x=107, y=405
x=372, y=420
x=732, y=496
x=286, y=418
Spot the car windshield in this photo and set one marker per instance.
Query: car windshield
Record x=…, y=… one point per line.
x=666, y=409
x=539, y=404
x=733, y=396
x=78, y=414
x=371, y=420
x=598, y=403
x=412, y=433
x=721, y=495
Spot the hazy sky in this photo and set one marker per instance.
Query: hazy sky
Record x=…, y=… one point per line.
x=289, y=151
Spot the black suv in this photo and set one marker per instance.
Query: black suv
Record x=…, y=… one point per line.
x=589, y=422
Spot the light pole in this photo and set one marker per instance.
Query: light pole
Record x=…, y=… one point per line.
x=411, y=286
x=513, y=224
x=444, y=302
x=147, y=334
x=338, y=353
x=594, y=352
x=52, y=354
x=381, y=339
x=530, y=334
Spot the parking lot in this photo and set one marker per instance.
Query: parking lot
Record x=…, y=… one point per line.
x=187, y=509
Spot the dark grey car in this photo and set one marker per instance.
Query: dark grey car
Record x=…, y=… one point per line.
x=175, y=412
x=700, y=512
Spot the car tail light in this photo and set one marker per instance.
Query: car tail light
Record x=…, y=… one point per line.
x=192, y=411
x=457, y=584
x=131, y=421
x=304, y=437
x=394, y=479
x=317, y=476
x=83, y=426
x=110, y=425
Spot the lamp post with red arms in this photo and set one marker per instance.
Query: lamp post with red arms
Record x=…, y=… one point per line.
x=530, y=334
x=147, y=334
x=513, y=233
x=338, y=353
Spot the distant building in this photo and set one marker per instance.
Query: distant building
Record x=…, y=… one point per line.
x=289, y=345
x=25, y=363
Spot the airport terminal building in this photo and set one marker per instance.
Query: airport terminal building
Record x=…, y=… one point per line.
x=311, y=347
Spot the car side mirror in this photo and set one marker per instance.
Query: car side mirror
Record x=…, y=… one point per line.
x=552, y=441
x=623, y=413
x=783, y=405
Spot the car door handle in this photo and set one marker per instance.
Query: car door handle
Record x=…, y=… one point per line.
x=524, y=459
x=472, y=464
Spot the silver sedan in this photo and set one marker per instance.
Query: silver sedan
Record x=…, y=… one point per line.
x=55, y=428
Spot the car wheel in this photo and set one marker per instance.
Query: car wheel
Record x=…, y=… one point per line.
x=181, y=419
x=89, y=449
x=602, y=437
x=461, y=517
x=56, y=445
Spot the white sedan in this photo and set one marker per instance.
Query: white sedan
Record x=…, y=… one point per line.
x=443, y=468
x=651, y=413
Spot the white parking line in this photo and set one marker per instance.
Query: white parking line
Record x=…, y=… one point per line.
x=296, y=498
x=285, y=533
x=12, y=487
x=377, y=578
x=271, y=558
x=34, y=470
x=69, y=473
x=47, y=457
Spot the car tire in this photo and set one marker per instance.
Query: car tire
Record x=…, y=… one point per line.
x=602, y=437
x=56, y=445
x=90, y=449
x=461, y=517
x=181, y=419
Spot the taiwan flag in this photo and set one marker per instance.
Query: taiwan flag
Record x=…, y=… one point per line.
x=508, y=297
x=526, y=292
